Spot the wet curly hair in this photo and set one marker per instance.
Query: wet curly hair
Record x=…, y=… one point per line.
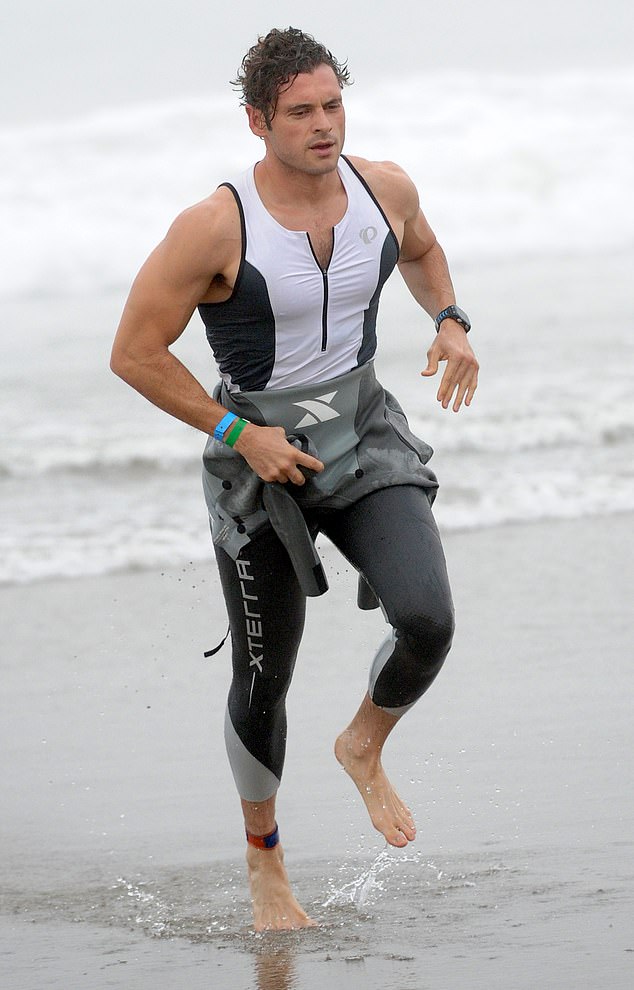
x=274, y=62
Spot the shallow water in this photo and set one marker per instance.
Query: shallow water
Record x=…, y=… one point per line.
x=401, y=920
x=120, y=833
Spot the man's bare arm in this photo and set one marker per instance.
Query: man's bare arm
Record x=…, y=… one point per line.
x=202, y=245
x=424, y=267
x=165, y=293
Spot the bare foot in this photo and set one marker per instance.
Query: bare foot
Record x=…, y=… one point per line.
x=274, y=907
x=388, y=813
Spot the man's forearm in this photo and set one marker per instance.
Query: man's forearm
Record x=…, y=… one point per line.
x=167, y=383
x=429, y=281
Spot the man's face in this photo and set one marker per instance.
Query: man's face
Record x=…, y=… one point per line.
x=308, y=128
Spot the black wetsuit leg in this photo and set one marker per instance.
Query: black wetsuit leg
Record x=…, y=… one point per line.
x=392, y=538
x=266, y=612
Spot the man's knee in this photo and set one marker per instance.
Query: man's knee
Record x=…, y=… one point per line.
x=428, y=633
x=411, y=659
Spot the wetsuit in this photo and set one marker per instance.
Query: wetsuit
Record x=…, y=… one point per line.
x=294, y=344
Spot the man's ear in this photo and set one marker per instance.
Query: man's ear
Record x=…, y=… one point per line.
x=257, y=123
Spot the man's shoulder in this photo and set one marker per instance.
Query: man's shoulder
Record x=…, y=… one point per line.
x=380, y=169
x=204, y=238
x=389, y=183
x=215, y=215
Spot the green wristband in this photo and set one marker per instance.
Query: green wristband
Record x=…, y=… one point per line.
x=234, y=433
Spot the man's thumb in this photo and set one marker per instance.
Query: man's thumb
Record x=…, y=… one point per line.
x=432, y=367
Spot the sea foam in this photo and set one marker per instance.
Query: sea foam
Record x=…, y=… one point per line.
x=506, y=166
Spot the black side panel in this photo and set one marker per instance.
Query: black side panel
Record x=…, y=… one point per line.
x=241, y=332
x=389, y=257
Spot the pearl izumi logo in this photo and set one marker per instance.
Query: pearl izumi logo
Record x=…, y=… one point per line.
x=368, y=234
x=319, y=410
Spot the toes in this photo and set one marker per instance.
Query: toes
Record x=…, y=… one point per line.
x=396, y=838
x=406, y=823
x=399, y=833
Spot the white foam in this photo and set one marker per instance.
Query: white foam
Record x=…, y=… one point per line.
x=506, y=166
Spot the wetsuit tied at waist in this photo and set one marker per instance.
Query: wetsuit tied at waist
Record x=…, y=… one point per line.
x=357, y=429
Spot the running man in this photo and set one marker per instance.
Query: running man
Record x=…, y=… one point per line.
x=286, y=265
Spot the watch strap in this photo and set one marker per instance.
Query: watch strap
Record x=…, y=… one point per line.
x=453, y=313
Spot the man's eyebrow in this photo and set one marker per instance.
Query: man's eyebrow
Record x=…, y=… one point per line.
x=308, y=106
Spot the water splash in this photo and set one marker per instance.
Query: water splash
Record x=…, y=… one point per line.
x=191, y=911
x=150, y=911
x=366, y=888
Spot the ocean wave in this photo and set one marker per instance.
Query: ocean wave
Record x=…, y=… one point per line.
x=506, y=167
x=174, y=456
x=141, y=513
x=136, y=545
x=584, y=430
x=39, y=453
x=92, y=463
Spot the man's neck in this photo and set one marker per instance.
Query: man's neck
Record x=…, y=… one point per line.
x=279, y=184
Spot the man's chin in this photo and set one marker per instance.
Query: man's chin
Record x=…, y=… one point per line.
x=325, y=166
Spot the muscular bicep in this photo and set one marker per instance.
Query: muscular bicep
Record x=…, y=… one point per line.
x=418, y=238
x=200, y=247
x=161, y=300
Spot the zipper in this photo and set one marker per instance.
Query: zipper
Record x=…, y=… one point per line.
x=324, y=311
x=324, y=277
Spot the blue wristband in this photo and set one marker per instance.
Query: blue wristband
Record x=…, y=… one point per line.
x=223, y=425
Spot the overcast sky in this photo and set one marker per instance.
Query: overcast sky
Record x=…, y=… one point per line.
x=67, y=57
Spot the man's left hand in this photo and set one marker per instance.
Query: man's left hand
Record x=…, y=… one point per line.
x=461, y=374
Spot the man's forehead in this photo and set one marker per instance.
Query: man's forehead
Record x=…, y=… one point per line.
x=310, y=87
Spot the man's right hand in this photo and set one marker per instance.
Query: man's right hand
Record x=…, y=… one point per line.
x=268, y=452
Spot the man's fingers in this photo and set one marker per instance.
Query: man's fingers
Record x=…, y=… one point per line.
x=471, y=388
x=460, y=376
x=448, y=383
x=461, y=396
x=297, y=466
x=452, y=383
x=466, y=387
x=309, y=462
x=460, y=379
x=267, y=451
x=304, y=468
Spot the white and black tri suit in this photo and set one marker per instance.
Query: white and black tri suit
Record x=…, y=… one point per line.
x=289, y=322
x=294, y=345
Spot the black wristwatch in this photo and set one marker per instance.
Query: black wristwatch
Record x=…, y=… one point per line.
x=454, y=313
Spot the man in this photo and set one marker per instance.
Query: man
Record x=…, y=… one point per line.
x=286, y=266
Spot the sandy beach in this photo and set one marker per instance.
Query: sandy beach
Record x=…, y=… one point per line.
x=122, y=853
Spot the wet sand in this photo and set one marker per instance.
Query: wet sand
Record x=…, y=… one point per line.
x=120, y=834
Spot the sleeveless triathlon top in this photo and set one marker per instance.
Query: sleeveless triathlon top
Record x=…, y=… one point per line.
x=289, y=322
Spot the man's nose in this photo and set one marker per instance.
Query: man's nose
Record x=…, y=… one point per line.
x=321, y=121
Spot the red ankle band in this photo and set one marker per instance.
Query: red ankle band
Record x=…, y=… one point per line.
x=264, y=841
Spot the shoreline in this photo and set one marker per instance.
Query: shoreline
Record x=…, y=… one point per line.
x=207, y=561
